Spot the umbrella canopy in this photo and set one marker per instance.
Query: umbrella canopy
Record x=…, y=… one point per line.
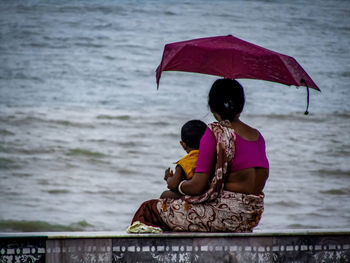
x=231, y=57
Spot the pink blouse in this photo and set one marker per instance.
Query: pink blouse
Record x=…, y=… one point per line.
x=247, y=154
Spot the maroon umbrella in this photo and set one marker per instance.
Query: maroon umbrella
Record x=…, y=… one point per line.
x=231, y=57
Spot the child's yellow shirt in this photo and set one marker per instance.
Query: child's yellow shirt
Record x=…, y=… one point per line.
x=188, y=163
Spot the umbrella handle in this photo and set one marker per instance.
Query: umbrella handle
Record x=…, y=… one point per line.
x=307, y=101
x=307, y=97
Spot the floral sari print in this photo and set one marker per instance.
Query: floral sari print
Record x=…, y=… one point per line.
x=216, y=210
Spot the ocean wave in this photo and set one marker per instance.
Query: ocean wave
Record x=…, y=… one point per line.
x=54, y=38
x=18, y=121
x=341, y=191
x=284, y=204
x=340, y=153
x=5, y=132
x=58, y=191
x=103, y=26
x=99, y=161
x=136, y=152
x=110, y=117
x=345, y=73
x=130, y=144
x=344, y=114
x=169, y=13
x=21, y=175
x=8, y=164
x=12, y=149
x=41, y=226
x=38, y=45
x=333, y=172
x=125, y=171
x=93, y=45
x=109, y=57
x=98, y=140
x=106, y=192
x=116, y=10
x=85, y=152
x=302, y=226
x=22, y=76
x=299, y=116
x=158, y=123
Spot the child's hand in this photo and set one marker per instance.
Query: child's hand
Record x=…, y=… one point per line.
x=168, y=173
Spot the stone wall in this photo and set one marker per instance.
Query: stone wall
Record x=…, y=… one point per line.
x=174, y=247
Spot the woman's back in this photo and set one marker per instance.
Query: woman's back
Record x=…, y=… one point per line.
x=250, y=151
x=247, y=181
x=249, y=169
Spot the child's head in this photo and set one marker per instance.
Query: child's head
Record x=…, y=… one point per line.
x=192, y=132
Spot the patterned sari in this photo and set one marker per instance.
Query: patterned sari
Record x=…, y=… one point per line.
x=216, y=210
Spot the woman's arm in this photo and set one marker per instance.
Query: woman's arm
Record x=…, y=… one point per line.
x=196, y=185
x=206, y=160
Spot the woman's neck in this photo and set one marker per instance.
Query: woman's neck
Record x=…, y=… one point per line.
x=244, y=130
x=236, y=124
x=236, y=120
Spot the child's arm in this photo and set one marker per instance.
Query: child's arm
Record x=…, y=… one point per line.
x=173, y=179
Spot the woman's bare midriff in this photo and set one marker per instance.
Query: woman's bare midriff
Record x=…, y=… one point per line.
x=247, y=181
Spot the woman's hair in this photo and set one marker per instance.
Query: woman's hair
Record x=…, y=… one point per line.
x=192, y=132
x=226, y=98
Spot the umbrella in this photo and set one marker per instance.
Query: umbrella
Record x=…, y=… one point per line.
x=231, y=57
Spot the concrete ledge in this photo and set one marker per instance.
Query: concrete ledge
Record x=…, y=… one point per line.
x=277, y=246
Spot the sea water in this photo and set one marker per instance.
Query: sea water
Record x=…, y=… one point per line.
x=85, y=136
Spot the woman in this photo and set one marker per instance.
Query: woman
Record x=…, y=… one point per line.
x=226, y=191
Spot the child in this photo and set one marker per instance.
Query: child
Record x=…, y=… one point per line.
x=191, y=134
